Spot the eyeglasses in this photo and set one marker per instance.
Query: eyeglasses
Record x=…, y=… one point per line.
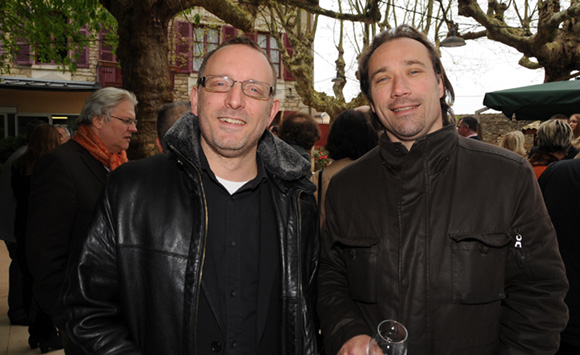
x=126, y=121
x=252, y=88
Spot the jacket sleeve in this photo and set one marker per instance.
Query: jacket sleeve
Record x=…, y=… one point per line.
x=94, y=320
x=52, y=210
x=339, y=316
x=534, y=312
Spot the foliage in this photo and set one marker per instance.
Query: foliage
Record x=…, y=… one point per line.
x=321, y=159
x=52, y=27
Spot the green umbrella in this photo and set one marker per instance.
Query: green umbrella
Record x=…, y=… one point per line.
x=537, y=102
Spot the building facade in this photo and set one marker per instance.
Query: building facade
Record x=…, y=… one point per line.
x=38, y=90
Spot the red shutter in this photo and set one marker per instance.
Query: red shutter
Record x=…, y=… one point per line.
x=228, y=32
x=252, y=35
x=183, y=50
x=287, y=73
x=83, y=50
x=23, y=56
x=105, y=50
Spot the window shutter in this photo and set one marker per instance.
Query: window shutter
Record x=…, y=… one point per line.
x=228, y=32
x=184, y=50
x=105, y=50
x=83, y=50
x=287, y=74
x=252, y=36
x=23, y=56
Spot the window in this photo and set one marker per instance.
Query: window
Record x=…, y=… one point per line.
x=269, y=45
x=204, y=40
x=23, y=56
x=192, y=44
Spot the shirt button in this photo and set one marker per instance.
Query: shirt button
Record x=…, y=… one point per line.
x=234, y=293
x=234, y=344
x=216, y=346
x=234, y=244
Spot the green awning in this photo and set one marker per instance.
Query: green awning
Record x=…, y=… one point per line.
x=537, y=102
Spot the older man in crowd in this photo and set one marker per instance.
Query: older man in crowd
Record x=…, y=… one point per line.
x=65, y=185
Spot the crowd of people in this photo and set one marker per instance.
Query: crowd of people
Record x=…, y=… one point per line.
x=227, y=242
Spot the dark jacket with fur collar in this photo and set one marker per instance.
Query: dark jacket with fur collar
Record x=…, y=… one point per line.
x=135, y=288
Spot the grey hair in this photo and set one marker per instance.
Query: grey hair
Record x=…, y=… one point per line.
x=101, y=102
x=66, y=129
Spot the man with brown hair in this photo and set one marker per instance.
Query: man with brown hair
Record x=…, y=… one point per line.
x=404, y=238
x=300, y=131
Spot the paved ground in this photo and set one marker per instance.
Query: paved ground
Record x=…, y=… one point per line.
x=13, y=339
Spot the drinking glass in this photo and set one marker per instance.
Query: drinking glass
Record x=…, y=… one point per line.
x=390, y=339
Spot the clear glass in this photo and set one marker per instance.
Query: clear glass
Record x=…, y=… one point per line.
x=390, y=339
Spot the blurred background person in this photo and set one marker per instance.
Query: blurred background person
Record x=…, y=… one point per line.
x=64, y=132
x=167, y=116
x=65, y=186
x=350, y=137
x=42, y=332
x=571, y=152
x=560, y=185
x=16, y=313
x=467, y=127
x=514, y=141
x=300, y=131
x=554, y=138
x=576, y=131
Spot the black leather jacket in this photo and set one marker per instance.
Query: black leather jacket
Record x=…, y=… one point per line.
x=135, y=288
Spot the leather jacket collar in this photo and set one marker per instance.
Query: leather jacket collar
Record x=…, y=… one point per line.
x=279, y=158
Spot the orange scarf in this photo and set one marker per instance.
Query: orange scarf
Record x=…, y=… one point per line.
x=91, y=142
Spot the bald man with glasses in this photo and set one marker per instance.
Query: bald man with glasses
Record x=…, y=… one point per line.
x=211, y=247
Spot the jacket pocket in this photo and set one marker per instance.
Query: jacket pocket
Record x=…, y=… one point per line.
x=360, y=257
x=478, y=266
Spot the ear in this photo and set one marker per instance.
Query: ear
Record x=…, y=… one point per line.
x=372, y=105
x=193, y=99
x=441, y=85
x=273, y=111
x=98, y=121
x=159, y=145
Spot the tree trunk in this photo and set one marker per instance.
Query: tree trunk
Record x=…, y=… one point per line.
x=143, y=54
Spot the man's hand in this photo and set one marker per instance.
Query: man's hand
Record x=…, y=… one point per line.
x=355, y=346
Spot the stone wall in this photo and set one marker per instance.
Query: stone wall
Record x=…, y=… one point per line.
x=494, y=126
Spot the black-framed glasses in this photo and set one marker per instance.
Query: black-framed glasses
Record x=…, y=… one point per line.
x=126, y=121
x=221, y=83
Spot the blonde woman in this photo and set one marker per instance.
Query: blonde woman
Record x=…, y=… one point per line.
x=514, y=141
x=575, y=129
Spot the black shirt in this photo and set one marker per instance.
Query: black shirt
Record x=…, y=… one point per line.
x=231, y=272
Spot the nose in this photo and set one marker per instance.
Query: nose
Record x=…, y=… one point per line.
x=235, y=98
x=400, y=86
x=132, y=128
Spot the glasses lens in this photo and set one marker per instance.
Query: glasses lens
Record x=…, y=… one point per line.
x=256, y=89
x=218, y=83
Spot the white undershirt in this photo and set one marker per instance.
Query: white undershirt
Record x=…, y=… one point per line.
x=231, y=186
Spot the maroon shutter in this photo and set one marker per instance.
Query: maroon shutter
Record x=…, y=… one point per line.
x=252, y=35
x=23, y=56
x=183, y=48
x=228, y=32
x=83, y=50
x=287, y=73
x=105, y=50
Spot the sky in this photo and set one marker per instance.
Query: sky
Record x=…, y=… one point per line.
x=478, y=67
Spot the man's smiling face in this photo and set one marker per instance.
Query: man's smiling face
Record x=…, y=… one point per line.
x=405, y=90
x=232, y=122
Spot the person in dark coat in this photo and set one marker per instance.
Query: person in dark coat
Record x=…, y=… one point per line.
x=560, y=184
x=65, y=186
